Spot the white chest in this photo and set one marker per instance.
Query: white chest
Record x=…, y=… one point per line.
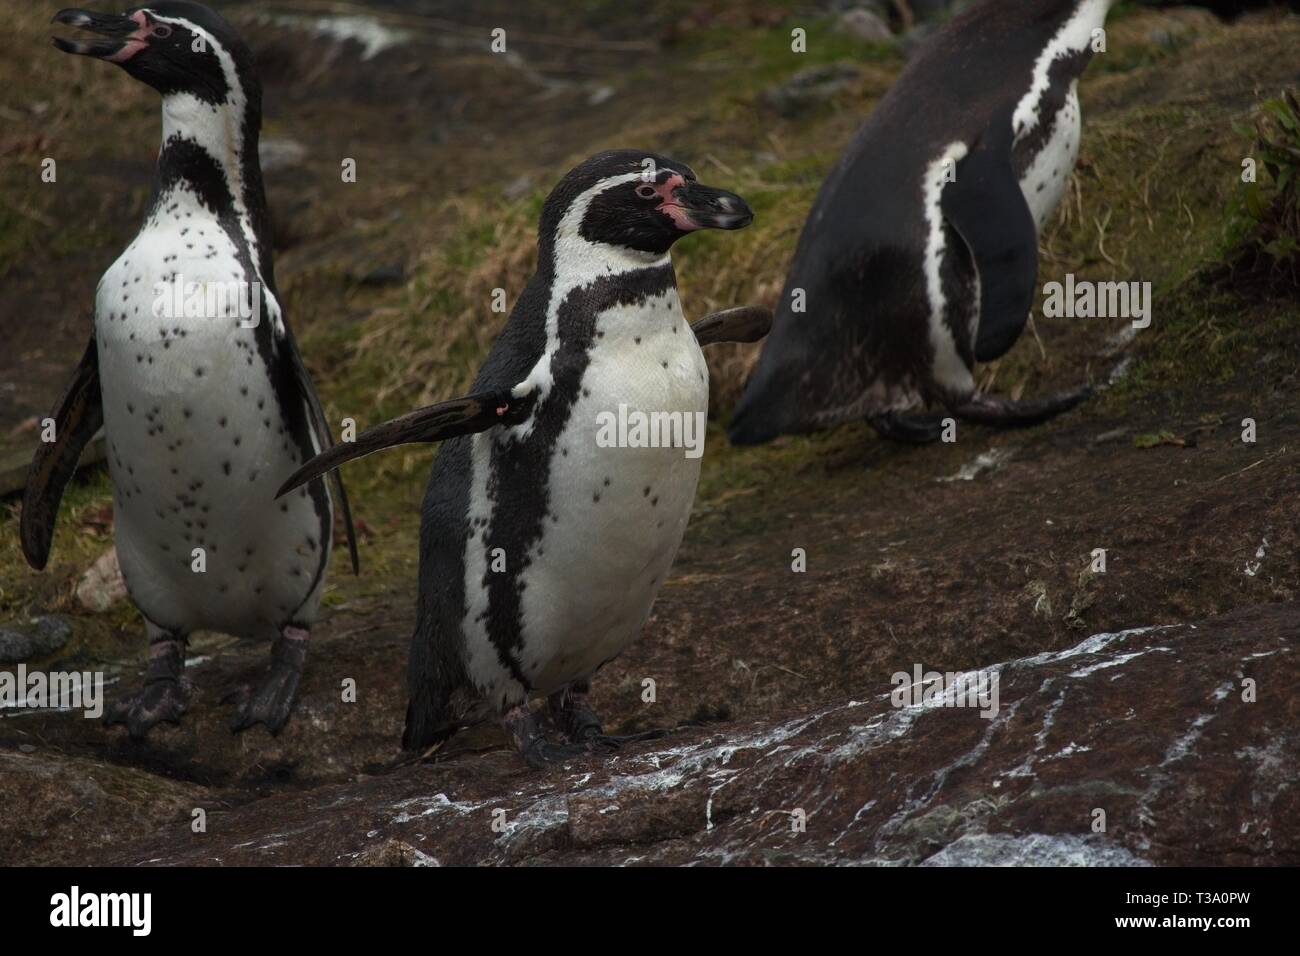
x=622, y=483
x=198, y=442
x=1045, y=179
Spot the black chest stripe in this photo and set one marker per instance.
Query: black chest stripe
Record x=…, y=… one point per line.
x=519, y=474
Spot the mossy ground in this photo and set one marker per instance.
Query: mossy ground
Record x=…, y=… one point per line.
x=1153, y=200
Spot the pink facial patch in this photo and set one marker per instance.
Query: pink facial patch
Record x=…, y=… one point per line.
x=136, y=42
x=669, y=205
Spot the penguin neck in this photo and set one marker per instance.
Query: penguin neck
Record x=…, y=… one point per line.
x=574, y=260
x=209, y=158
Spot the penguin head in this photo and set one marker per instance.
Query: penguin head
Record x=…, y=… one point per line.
x=173, y=45
x=631, y=199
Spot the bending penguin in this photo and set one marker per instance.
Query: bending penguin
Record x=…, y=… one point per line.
x=920, y=255
x=542, y=548
x=204, y=400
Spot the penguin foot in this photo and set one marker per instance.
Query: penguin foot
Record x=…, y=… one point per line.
x=909, y=429
x=273, y=700
x=608, y=743
x=162, y=699
x=526, y=733
x=579, y=723
x=1005, y=413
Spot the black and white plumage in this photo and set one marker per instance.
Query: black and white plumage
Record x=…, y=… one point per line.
x=541, y=552
x=919, y=257
x=207, y=407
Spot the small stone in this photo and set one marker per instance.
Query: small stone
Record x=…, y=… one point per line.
x=39, y=637
x=862, y=24
x=810, y=88
x=102, y=585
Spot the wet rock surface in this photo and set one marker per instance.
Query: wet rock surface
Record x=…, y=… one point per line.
x=1154, y=728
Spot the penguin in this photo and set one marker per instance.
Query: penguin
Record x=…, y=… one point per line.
x=542, y=547
x=919, y=257
x=194, y=374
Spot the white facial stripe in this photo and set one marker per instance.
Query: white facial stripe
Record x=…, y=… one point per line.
x=1075, y=35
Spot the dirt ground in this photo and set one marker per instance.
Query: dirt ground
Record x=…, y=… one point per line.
x=957, y=556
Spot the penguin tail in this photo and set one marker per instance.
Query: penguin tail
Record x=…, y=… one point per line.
x=429, y=719
x=423, y=730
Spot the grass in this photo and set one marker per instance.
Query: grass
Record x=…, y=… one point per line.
x=1157, y=172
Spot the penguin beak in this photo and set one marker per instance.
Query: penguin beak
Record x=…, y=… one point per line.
x=125, y=35
x=703, y=207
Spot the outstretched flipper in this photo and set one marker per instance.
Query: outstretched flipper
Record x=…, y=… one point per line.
x=458, y=416
x=987, y=208
x=323, y=434
x=79, y=416
x=744, y=323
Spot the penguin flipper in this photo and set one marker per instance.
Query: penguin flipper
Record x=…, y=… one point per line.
x=744, y=323
x=458, y=416
x=324, y=436
x=987, y=208
x=80, y=414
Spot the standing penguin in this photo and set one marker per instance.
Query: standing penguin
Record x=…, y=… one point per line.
x=920, y=255
x=195, y=377
x=542, y=547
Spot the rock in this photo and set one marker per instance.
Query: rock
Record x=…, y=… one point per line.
x=102, y=585
x=392, y=273
x=518, y=188
x=60, y=807
x=865, y=25
x=39, y=637
x=1144, y=734
x=810, y=88
x=394, y=853
x=280, y=152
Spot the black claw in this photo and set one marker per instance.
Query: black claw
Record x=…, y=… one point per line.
x=541, y=753
x=272, y=702
x=910, y=429
x=163, y=700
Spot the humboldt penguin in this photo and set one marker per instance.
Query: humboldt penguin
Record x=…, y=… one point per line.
x=194, y=375
x=545, y=535
x=920, y=255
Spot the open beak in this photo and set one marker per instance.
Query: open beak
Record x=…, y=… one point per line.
x=123, y=35
x=703, y=207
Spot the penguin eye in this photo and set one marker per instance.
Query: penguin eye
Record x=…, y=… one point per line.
x=161, y=30
x=646, y=191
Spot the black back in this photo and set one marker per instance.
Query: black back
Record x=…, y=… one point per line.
x=860, y=256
